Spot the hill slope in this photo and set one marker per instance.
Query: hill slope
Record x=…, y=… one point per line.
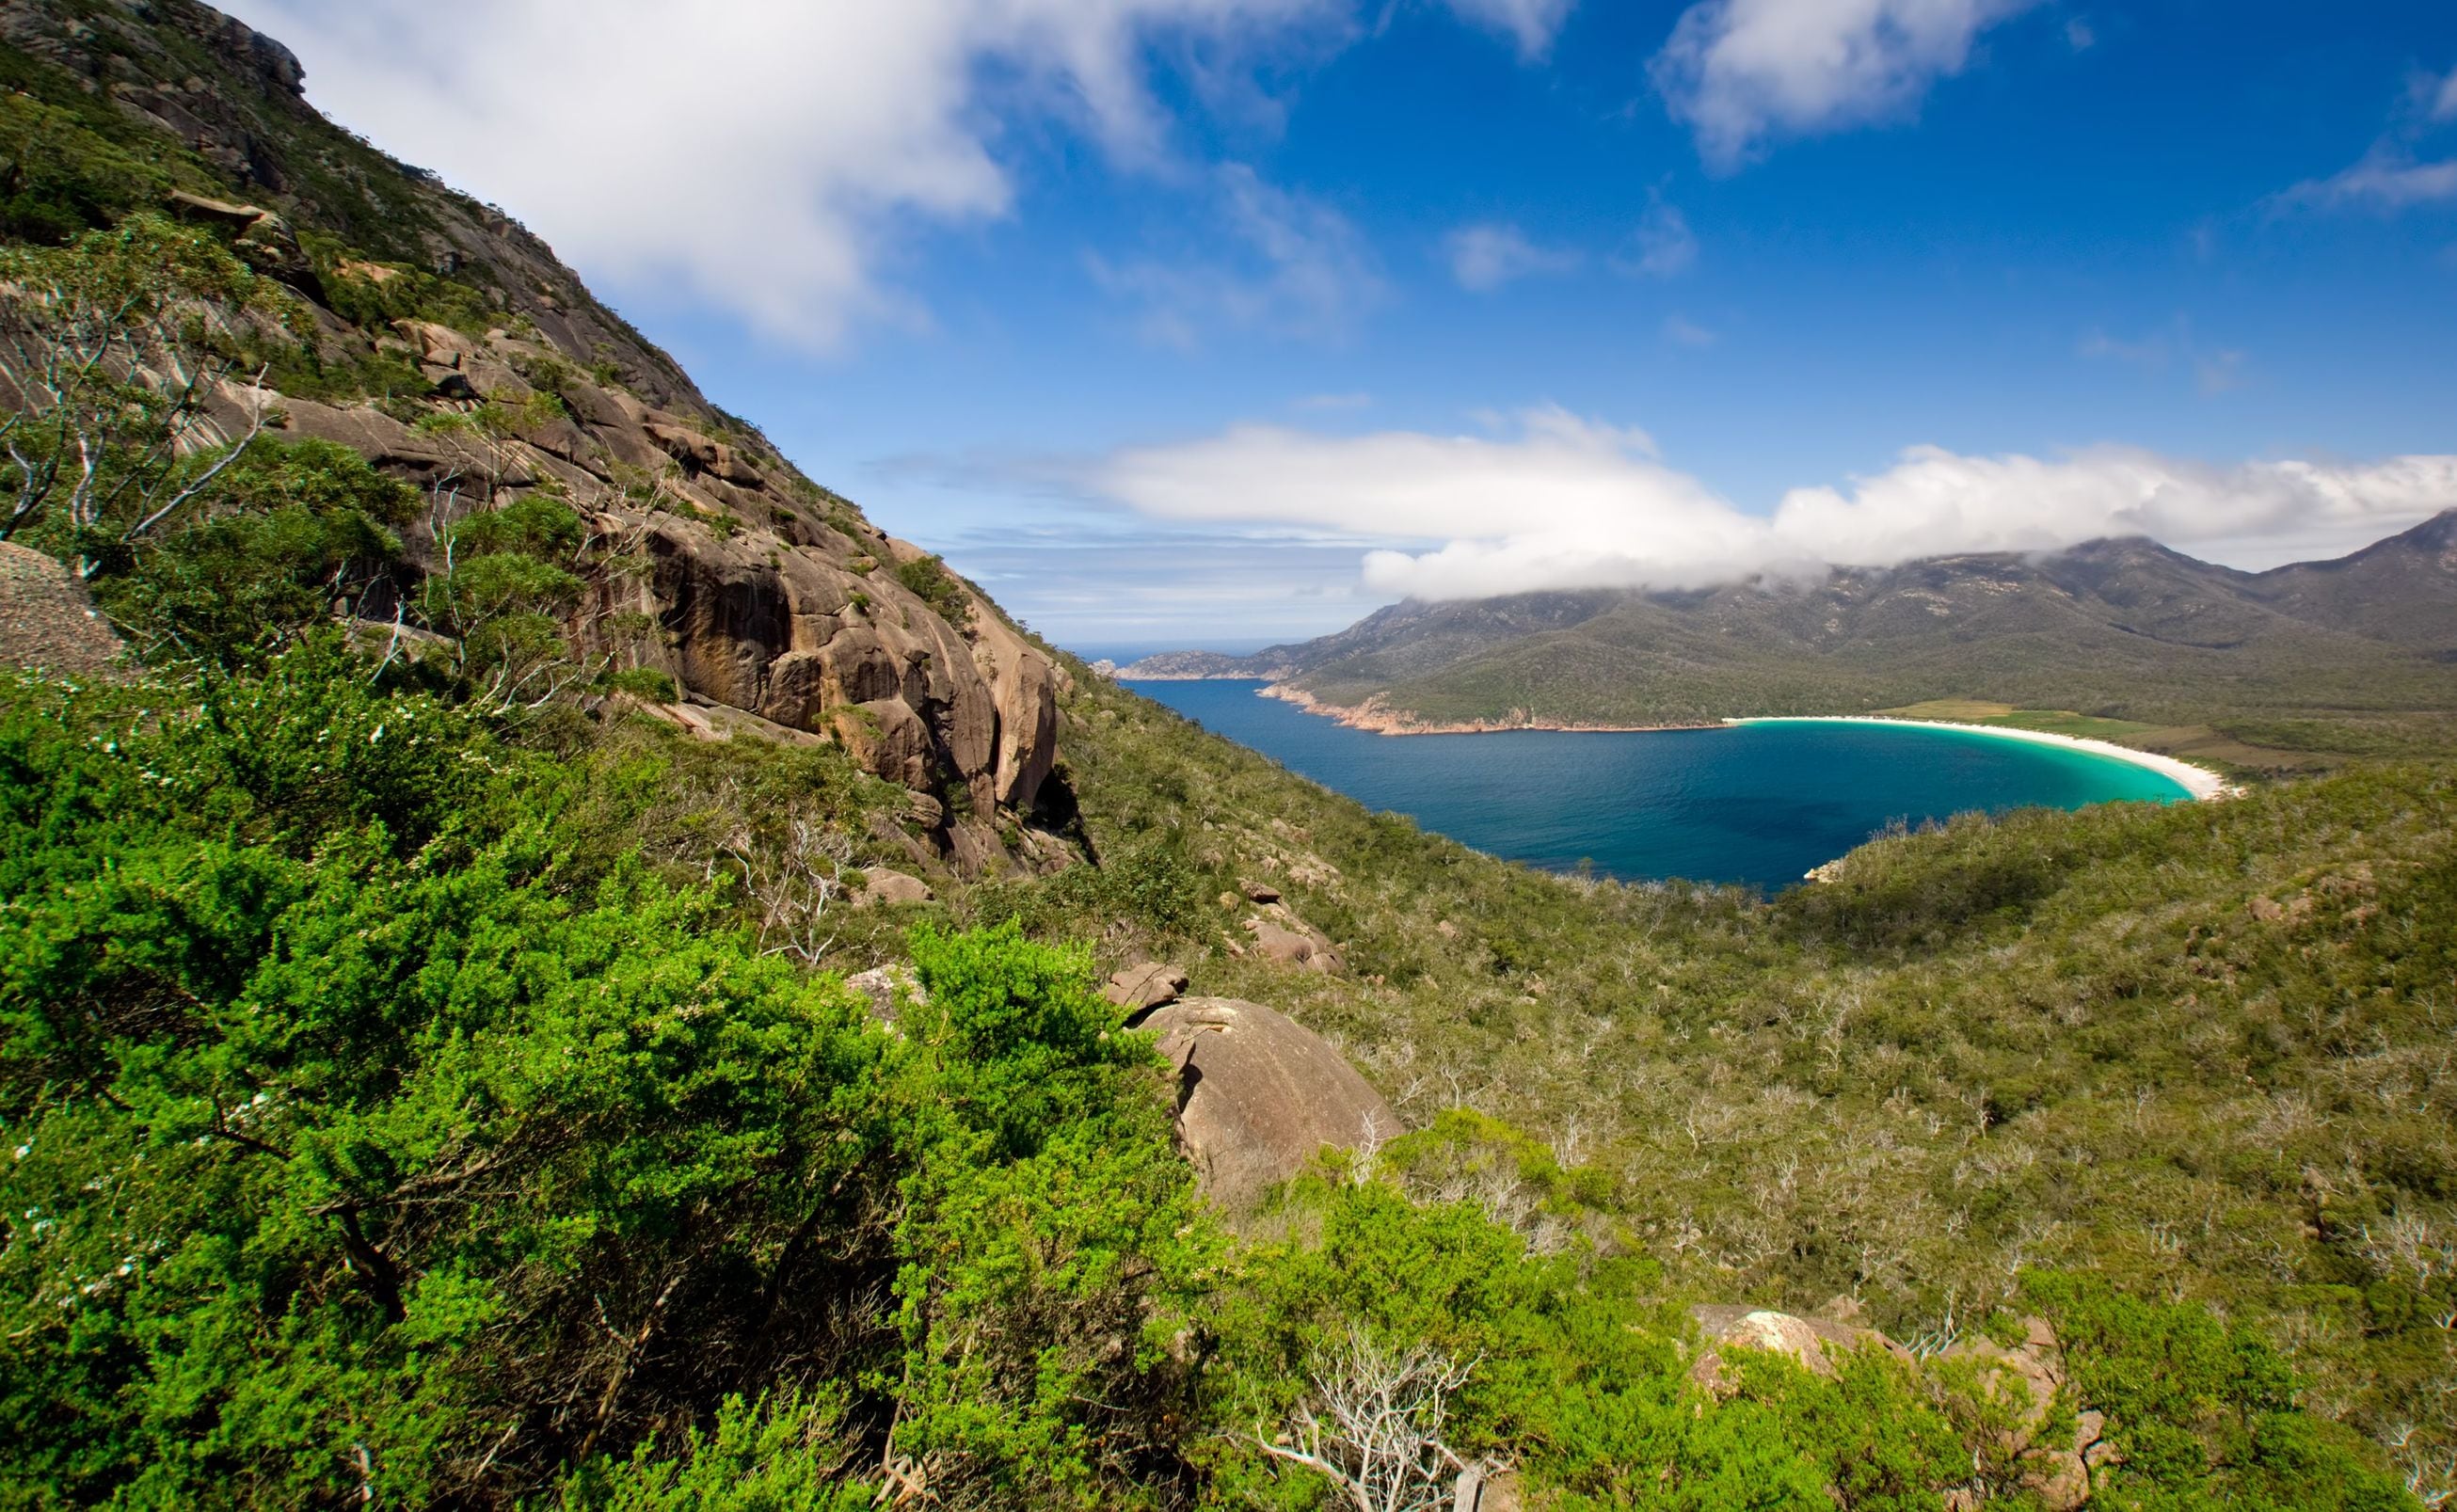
x=441, y=341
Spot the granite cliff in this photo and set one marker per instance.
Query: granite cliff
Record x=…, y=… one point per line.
x=452, y=348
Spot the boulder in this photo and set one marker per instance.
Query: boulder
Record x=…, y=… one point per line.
x=1259, y=1095
x=1261, y=892
x=1023, y=689
x=1293, y=943
x=886, y=986
x=1809, y=1342
x=886, y=737
x=264, y=240
x=975, y=848
x=2028, y=1374
x=46, y=619
x=882, y=885
x=1149, y=985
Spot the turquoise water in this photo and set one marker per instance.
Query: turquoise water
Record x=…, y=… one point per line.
x=1755, y=803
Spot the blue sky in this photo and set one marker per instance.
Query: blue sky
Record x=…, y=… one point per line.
x=1207, y=322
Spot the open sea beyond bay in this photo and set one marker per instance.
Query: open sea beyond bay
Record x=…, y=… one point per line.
x=1755, y=803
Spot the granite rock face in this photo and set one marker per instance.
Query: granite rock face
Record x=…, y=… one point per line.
x=1259, y=1095
x=756, y=605
x=761, y=593
x=47, y=621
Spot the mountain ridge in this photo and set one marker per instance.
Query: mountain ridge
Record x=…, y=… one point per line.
x=2121, y=626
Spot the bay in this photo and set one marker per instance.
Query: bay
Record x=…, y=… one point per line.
x=1757, y=804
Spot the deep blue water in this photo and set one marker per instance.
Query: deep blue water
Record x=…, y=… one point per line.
x=1756, y=803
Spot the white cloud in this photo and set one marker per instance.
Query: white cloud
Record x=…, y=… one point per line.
x=1301, y=270
x=2387, y=180
x=1743, y=72
x=1531, y=24
x=758, y=156
x=1490, y=254
x=1560, y=501
x=1661, y=247
x=2250, y=514
x=2078, y=35
x=2390, y=176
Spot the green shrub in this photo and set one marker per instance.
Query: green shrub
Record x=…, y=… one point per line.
x=646, y=683
x=927, y=578
x=283, y=535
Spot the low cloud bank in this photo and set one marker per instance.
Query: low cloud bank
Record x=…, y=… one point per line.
x=1553, y=501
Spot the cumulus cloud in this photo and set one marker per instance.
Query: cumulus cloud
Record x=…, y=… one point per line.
x=1299, y=268
x=1531, y=24
x=1490, y=254
x=1742, y=73
x=1556, y=501
x=760, y=155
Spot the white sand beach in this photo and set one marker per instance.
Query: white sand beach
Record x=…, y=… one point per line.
x=2200, y=782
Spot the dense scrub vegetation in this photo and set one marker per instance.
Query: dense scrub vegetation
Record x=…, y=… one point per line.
x=2200, y=1049
x=383, y=1121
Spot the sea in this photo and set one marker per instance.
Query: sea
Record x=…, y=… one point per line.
x=1758, y=804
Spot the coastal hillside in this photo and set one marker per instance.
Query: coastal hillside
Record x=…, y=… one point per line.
x=318, y=293
x=2350, y=654
x=543, y=961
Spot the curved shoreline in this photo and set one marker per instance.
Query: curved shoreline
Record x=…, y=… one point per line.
x=2200, y=782
x=1376, y=717
x=2203, y=783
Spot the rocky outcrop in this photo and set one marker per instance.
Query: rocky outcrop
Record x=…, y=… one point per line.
x=756, y=590
x=1149, y=985
x=893, y=888
x=2026, y=1376
x=262, y=239
x=1259, y=1095
x=1280, y=936
x=47, y=621
x=1811, y=1343
x=728, y=578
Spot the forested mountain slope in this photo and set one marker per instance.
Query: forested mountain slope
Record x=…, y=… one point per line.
x=2355, y=651
x=563, y=969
